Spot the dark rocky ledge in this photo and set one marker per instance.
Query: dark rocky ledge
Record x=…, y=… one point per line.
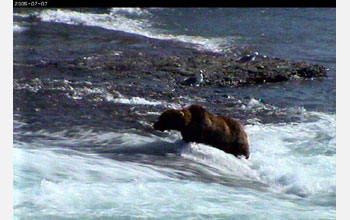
x=171, y=62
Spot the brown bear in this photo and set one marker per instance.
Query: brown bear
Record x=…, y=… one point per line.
x=196, y=124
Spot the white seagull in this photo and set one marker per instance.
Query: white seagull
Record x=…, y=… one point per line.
x=195, y=80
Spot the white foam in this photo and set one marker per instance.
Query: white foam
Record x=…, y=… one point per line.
x=132, y=101
x=56, y=183
x=18, y=28
x=290, y=158
x=64, y=182
x=103, y=94
x=76, y=93
x=225, y=163
x=34, y=86
x=256, y=105
x=50, y=180
x=24, y=15
x=296, y=158
x=116, y=20
x=132, y=11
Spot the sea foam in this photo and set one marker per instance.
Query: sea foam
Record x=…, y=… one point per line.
x=117, y=19
x=18, y=28
x=52, y=179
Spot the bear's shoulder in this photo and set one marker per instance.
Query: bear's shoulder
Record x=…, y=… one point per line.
x=232, y=123
x=198, y=113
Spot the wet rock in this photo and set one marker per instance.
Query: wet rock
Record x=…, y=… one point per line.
x=170, y=63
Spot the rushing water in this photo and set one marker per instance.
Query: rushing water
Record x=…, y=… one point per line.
x=84, y=147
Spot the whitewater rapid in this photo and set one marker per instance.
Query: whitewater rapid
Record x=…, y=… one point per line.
x=291, y=161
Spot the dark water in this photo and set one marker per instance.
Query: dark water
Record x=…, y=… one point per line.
x=83, y=138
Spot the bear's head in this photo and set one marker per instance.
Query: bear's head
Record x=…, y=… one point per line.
x=171, y=120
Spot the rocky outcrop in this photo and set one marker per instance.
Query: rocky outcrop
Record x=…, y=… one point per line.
x=172, y=62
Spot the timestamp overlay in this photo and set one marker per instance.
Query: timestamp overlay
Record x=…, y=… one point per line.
x=30, y=3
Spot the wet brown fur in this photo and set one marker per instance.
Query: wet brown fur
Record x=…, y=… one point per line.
x=196, y=124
